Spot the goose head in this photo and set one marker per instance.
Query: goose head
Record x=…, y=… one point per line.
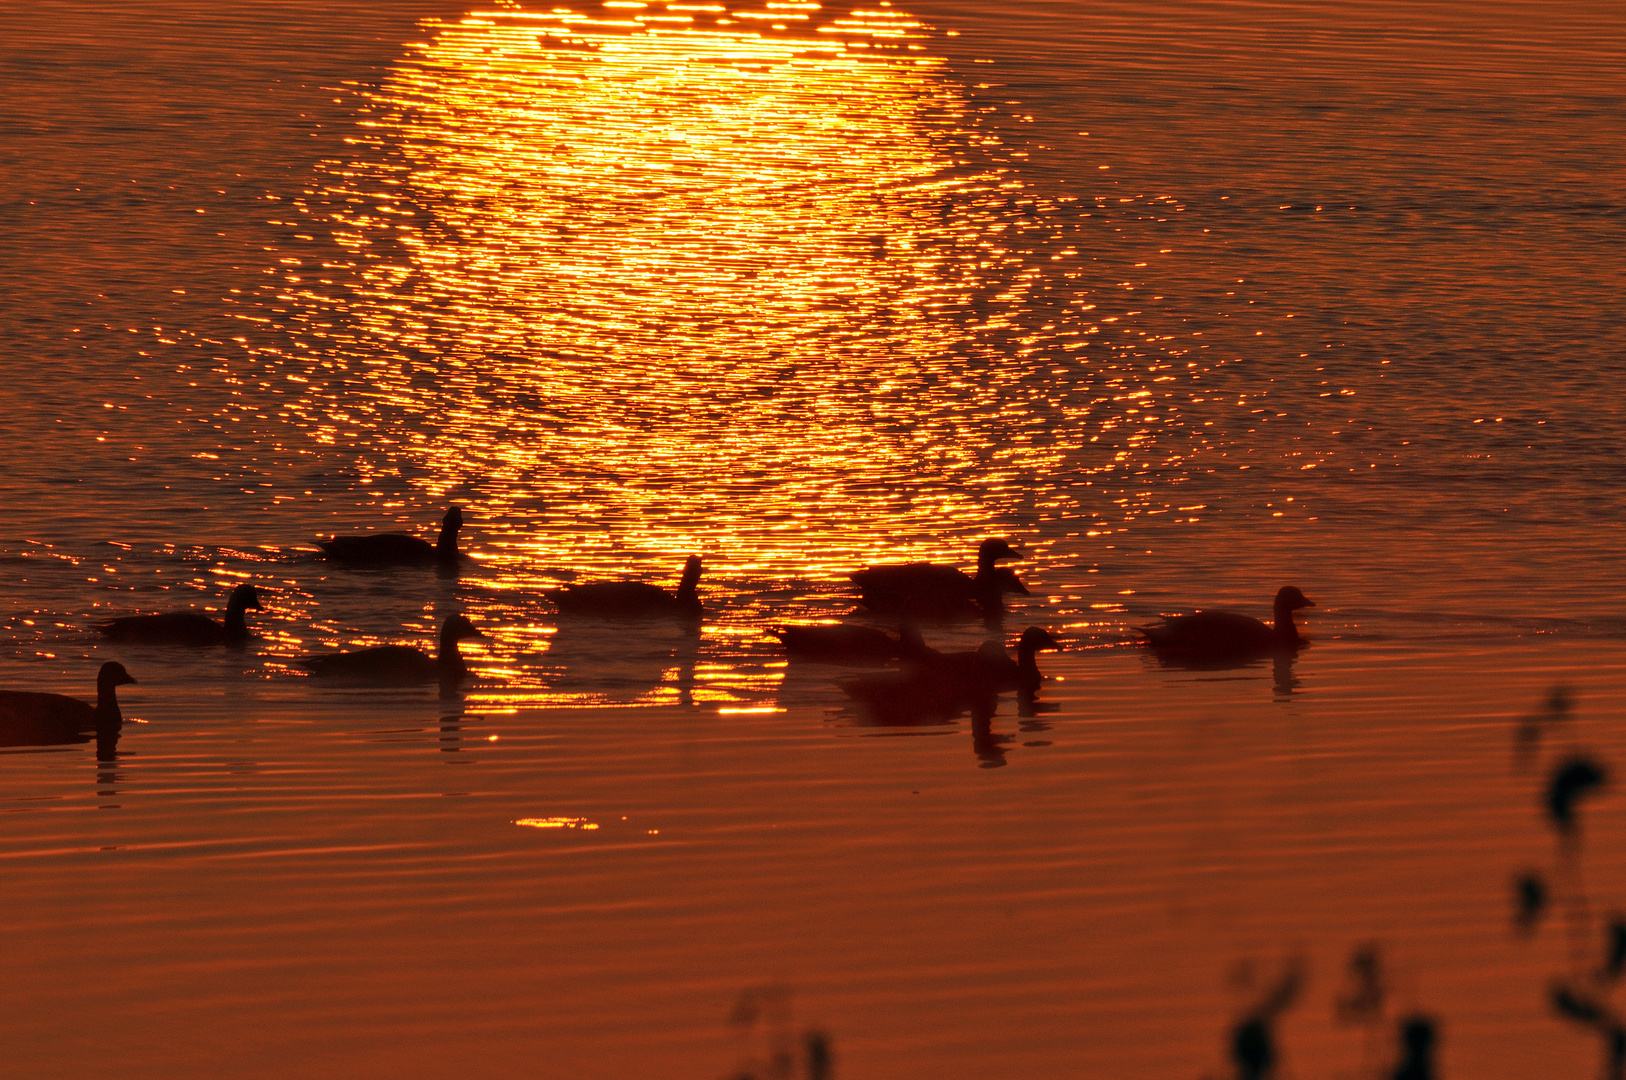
x=1036, y=639
x=993, y=549
x=456, y=628
x=1288, y=598
x=112, y=675
x=244, y=596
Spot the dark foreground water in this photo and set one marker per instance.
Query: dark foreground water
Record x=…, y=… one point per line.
x=1192, y=304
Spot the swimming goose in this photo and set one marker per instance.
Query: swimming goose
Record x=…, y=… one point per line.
x=33, y=719
x=401, y=663
x=935, y=590
x=992, y=668
x=187, y=627
x=633, y=599
x=1226, y=636
x=837, y=644
x=398, y=549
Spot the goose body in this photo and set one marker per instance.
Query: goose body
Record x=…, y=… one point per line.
x=633, y=599
x=991, y=668
x=187, y=627
x=838, y=644
x=28, y=718
x=398, y=549
x=938, y=591
x=400, y=664
x=1229, y=636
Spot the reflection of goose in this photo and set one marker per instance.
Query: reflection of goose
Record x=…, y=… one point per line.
x=398, y=549
x=34, y=719
x=633, y=599
x=928, y=687
x=187, y=627
x=1221, y=636
x=937, y=591
x=401, y=663
x=837, y=644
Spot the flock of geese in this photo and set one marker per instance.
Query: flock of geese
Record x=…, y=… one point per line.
x=923, y=684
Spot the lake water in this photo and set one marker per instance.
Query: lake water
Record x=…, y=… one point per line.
x=1191, y=303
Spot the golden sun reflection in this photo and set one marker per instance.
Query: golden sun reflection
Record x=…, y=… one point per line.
x=667, y=277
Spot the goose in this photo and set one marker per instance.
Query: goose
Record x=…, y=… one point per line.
x=1226, y=636
x=187, y=627
x=633, y=599
x=33, y=719
x=401, y=663
x=933, y=589
x=992, y=668
x=838, y=644
x=398, y=549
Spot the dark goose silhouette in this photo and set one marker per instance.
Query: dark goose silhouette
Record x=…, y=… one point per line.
x=33, y=719
x=991, y=668
x=838, y=644
x=398, y=549
x=933, y=590
x=1227, y=636
x=401, y=664
x=187, y=627
x=633, y=599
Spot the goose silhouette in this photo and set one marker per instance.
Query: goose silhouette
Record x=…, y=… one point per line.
x=841, y=643
x=34, y=719
x=991, y=668
x=398, y=549
x=1228, y=636
x=937, y=591
x=187, y=627
x=633, y=599
x=401, y=664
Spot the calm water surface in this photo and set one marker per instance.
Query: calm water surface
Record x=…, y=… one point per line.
x=1192, y=304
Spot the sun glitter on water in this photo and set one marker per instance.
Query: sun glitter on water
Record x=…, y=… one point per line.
x=688, y=277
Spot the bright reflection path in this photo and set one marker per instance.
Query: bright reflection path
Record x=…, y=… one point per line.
x=655, y=279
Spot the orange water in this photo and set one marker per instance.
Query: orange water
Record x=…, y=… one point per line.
x=1191, y=305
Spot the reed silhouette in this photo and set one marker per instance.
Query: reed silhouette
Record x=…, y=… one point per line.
x=188, y=627
x=1572, y=780
x=1554, y=713
x=937, y=591
x=1417, y=1037
x=1529, y=901
x=29, y=718
x=633, y=599
x=1253, y=1039
x=1364, y=1001
x=1223, y=638
x=398, y=549
x=1580, y=995
x=762, y=1018
x=401, y=664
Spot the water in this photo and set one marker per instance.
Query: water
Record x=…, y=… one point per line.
x=1191, y=305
